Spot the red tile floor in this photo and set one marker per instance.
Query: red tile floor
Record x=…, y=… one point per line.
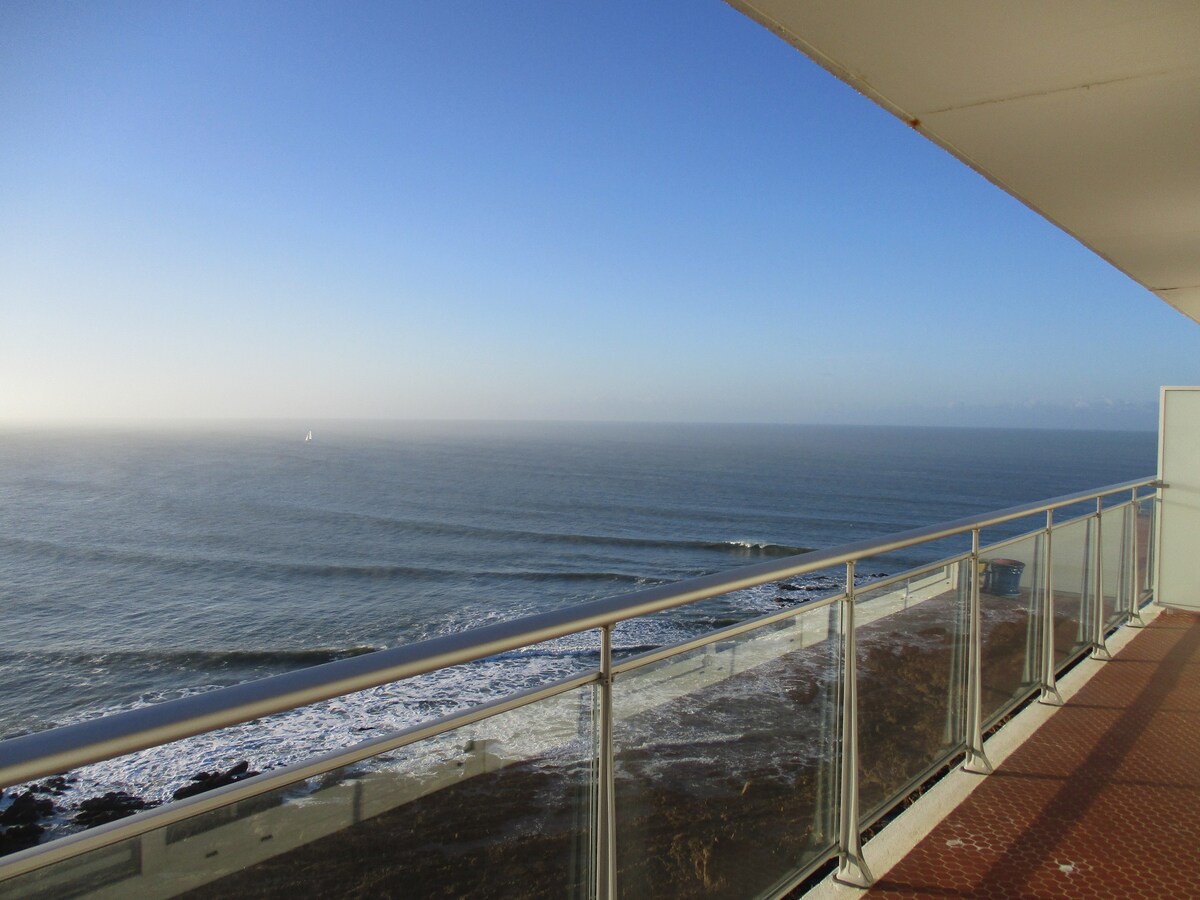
x=1102, y=801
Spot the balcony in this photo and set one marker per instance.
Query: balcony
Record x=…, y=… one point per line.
x=742, y=763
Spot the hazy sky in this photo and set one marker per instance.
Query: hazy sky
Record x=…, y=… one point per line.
x=546, y=210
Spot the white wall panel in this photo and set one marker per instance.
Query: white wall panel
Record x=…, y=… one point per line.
x=1179, y=512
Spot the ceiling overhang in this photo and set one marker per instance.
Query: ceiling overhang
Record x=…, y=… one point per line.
x=1087, y=111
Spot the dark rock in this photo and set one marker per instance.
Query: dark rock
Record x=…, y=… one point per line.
x=207, y=781
x=788, y=586
x=57, y=785
x=26, y=809
x=20, y=837
x=112, y=806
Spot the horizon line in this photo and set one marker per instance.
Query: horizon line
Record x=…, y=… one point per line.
x=150, y=423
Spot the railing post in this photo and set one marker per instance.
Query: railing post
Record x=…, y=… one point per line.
x=852, y=868
x=606, y=825
x=1033, y=616
x=1152, y=543
x=1135, y=593
x=1099, y=648
x=1050, y=694
x=1085, y=627
x=828, y=785
x=976, y=760
x=956, y=712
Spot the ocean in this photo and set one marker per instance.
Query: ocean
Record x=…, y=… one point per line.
x=137, y=566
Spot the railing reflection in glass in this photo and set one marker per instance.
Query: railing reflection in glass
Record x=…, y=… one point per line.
x=1072, y=573
x=1012, y=603
x=721, y=745
x=912, y=654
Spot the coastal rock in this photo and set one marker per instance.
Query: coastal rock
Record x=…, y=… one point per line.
x=112, y=806
x=207, y=781
x=56, y=785
x=19, y=837
x=26, y=809
x=18, y=823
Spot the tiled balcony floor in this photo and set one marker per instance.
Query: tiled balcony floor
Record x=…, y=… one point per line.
x=1102, y=801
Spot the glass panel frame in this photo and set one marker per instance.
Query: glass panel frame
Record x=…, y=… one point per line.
x=1115, y=565
x=1145, y=535
x=1011, y=651
x=701, y=813
x=1072, y=579
x=907, y=653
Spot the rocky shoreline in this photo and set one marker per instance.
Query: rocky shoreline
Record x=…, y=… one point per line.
x=23, y=820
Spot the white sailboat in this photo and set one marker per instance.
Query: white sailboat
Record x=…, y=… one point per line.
x=308, y=437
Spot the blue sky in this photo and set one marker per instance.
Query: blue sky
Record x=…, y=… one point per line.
x=616, y=211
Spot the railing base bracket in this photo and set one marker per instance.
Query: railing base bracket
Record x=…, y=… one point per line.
x=977, y=763
x=854, y=872
x=1050, y=697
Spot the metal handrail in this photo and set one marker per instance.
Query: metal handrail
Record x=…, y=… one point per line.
x=49, y=752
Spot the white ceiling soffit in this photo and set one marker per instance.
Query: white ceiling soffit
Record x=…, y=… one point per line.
x=1087, y=111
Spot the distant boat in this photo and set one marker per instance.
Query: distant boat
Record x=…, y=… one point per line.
x=308, y=437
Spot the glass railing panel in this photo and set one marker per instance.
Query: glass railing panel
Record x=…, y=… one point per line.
x=912, y=656
x=1071, y=574
x=1143, y=532
x=726, y=761
x=500, y=807
x=1115, y=564
x=1011, y=603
